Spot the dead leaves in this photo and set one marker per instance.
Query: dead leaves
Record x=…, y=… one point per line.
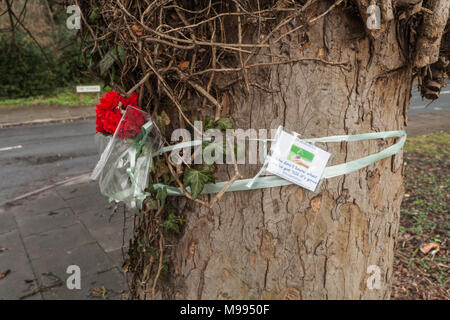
x=183, y=65
x=4, y=274
x=126, y=266
x=137, y=30
x=421, y=264
x=431, y=248
x=99, y=292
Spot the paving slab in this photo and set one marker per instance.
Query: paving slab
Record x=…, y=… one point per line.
x=107, y=285
x=89, y=257
x=41, y=223
x=7, y=221
x=89, y=203
x=35, y=205
x=21, y=278
x=67, y=225
x=57, y=241
x=108, y=234
x=76, y=191
x=112, y=280
x=116, y=256
x=15, y=254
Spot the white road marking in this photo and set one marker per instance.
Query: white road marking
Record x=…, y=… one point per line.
x=11, y=148
x=445, y=92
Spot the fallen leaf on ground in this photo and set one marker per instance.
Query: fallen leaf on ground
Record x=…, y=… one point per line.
x=432, y=247
x=4, y=274
x=125, y=266
x=58, y=283
x=99, y=292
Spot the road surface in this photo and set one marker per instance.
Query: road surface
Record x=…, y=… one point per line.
x=419, y=105
x=35, y=156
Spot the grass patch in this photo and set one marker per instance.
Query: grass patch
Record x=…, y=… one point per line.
x=424, y=218
x=63, y=97
x=432, y=144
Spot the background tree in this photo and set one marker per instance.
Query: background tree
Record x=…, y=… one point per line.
x=314, y=67
x=39, y=53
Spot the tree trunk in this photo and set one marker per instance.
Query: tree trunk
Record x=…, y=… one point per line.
x=290, y=243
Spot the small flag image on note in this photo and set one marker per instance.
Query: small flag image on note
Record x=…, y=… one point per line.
x=300, y=156
x=297, y=161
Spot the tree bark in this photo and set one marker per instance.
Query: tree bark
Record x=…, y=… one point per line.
x=289, y=243
x=429, y=42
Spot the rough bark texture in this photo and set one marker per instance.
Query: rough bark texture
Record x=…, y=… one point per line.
x=289, y=243
x=429, y=42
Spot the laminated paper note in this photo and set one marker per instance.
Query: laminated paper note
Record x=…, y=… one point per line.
x=297, y=161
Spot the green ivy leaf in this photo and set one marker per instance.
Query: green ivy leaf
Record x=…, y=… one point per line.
x=152, y=204
x=224, y=124
x=171, y=224
x=95, y=15
x=122, y=54
x=196, y=179
x=110, y=57
x=161, y=195
x=208, y=123
x=106, y=63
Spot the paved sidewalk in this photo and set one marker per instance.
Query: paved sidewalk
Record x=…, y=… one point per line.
x=69, y=225
x=20, y=115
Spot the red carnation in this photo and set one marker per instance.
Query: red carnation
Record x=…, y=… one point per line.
x=107, y=103
x=109, y=114
x=132, y=100
x=131, y=124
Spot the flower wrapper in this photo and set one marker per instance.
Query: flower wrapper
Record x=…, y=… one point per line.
x=101, y=142
x=125, y=163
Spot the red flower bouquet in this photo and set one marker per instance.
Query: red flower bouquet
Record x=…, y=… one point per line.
x=126, y=160
x=109, y=114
